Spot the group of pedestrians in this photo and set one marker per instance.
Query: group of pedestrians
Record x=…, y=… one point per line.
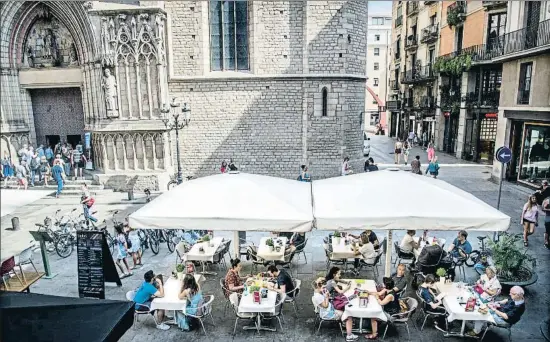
x=538, y=202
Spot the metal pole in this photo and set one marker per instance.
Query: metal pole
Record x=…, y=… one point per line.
x=46, y=261
x=180, y=176
x=499, y=193
x=389, y=245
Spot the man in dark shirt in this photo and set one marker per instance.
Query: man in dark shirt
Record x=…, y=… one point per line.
x=399, y=279
x=284, y=281
x=506, y=312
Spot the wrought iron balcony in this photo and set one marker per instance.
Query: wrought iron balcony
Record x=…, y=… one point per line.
x=456, y=13
x=494, y=4
x=412, y=7
x=394, y=85
x=430, y=34
x=419, y=74
x=487, y=99
x=534, y=36
x=411, y=43
x=399, y=21
x=393, y=105
x=408, y=103
x=428, y=102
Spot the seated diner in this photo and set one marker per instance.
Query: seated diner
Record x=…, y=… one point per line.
x=366, y=251
x=150, y=289
x=371, y=236
x=389, y=300
x=333, y=280
x=433, y=304
x=488, y=285
x=233, y=281
x=191, y=292
x=461, y=247
x=284, y=281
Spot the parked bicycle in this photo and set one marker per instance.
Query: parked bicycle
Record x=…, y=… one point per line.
x=149, y=239
x=174, y=181
x=479, y=256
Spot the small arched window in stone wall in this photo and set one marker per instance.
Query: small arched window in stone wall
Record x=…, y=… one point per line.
x=324, y=93
x=148, y=140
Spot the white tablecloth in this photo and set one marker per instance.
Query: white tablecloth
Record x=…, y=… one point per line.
x=455, y=309
x=441, y=242
x=267, y=305
x=208, y=255
x=171, y=301
x=341, y=250
x=373, y=309
x=265, y=253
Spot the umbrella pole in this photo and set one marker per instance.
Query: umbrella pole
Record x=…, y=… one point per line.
x=236, y=244
x=389, y=243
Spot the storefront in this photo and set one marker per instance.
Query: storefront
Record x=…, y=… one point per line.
x=530, y=144
x=428, y=127
x=479, y=138
x=450, y=133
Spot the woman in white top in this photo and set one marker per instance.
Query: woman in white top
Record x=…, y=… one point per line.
x=489, y=283
x=346, y=170
x=398, y=150
x=406, y=150
x=529, y=218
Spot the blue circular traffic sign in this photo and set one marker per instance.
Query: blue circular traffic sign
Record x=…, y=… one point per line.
x=503, y=155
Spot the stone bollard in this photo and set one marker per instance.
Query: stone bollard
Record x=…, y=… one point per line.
x=130, y=195
x=15, y=223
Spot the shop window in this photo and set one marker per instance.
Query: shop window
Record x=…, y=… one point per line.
x=535, y=159
x=525, y=82
x=325, y=101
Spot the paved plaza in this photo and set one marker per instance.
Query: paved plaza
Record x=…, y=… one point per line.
x=473, y=179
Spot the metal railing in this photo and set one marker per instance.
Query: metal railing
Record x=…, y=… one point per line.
x=487, y=99
x=411, y=42
x=490, y=4
x=393, y=105
x=419, y=74
x=408, y=102
x=430, y=33
x=399, y=21
x=412, y=7
x=428, y=102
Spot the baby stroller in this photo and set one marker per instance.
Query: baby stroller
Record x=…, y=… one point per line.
x=429, y=261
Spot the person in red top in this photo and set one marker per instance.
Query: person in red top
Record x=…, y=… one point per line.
x=223, y=169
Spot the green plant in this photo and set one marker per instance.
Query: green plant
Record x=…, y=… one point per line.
x=180, y=268
x=511, y=259
x=337, y=234
x=453, y=66
x=269, y=242
x=455, y=14
x=254, y=288
x=206, y=238
x=441, y=272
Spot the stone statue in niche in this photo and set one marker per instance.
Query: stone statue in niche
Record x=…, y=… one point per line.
x=159, y=20
x=105, y=36
x=133, y=28
x=110, y=90
x=73, y=55
x=145, y=22
x=112, y=31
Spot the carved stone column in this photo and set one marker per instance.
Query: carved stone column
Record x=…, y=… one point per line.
x=104, y=153
x=154, y=148
x=128, y=94
x=102, y=109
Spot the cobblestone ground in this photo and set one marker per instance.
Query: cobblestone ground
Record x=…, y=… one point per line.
x=472, y=179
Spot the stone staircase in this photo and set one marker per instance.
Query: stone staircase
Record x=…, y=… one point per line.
x=71, y=188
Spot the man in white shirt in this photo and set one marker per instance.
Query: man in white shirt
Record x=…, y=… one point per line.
x=408, y=245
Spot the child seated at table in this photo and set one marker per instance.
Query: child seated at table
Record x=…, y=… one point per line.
x=191, y=292
x=326, y=310
x=432, y=302
x=332, y=279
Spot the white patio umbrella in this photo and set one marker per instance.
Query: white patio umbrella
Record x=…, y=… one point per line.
x=400, y=200
x=231, y=202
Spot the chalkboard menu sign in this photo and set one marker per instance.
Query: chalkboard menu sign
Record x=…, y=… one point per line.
x=95, y=264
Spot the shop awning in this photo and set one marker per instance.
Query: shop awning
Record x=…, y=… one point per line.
x=38, y=317
x=378, y=100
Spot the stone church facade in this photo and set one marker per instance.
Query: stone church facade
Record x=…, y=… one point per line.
x=270, y=84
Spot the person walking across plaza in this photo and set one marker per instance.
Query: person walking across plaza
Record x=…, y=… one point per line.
x=58, y=174
x=546, y=210
x=406, y=151
x=66, y=156
x=529, y=218
x=135, y=250
x=431, y=152
x=44, y=170
x=346, y=169
x=34, y=166
x=7, y=167
x=78, y=160
x=433, y=168
x=48, y=153
x=87, y=202
x=398, y=149
x=21, y=172
x=122, y=247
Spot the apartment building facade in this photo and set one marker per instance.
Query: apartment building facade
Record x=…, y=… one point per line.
x=378, y=62
x=411, y=104
x=495, y=86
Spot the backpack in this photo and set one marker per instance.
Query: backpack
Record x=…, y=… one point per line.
x=128, y=241
x=339, y=302
x=90, y=202
x=35, y=163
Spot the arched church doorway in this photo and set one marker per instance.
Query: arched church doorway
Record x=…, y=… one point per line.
x=58, y=115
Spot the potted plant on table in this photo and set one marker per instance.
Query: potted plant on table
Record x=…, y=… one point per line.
x=179, y=271
x=441, y=273
x=515, y=266
x=269, y=243
x=336, y=238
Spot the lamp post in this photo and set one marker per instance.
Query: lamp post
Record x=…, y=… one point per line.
x=176, y=123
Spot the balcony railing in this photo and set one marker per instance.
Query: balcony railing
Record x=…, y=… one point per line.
x=456, y=13
x=419, y=74
x=408, y=102
x=494, y=4
x=399, y=21
x=430, y=34
x=394, y=85
x=393, y=105
x=487, y=99
x=411, y=43
x=428, y=102
x=412, y=7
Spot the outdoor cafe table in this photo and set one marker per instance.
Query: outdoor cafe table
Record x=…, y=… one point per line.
x=171, y=301
x=267, y=254
x=373, y=309
x=266, y=305
x=208, y=253
x=341, y=250
x=430, y=239
x=456, y=310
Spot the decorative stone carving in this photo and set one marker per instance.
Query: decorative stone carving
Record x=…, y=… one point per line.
x=49, y=43
x=88, y=5
x=133, y=28
x=111, y=96
x=112, y=30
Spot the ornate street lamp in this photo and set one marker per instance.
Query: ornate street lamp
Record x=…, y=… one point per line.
x=176, y=123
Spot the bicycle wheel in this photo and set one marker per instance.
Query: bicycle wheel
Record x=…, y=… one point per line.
x=110, y=241
x=473, y=258
x=172, y=184
x=64, y=246
x=154, y=244
x=142, y=239
x=170, y=242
